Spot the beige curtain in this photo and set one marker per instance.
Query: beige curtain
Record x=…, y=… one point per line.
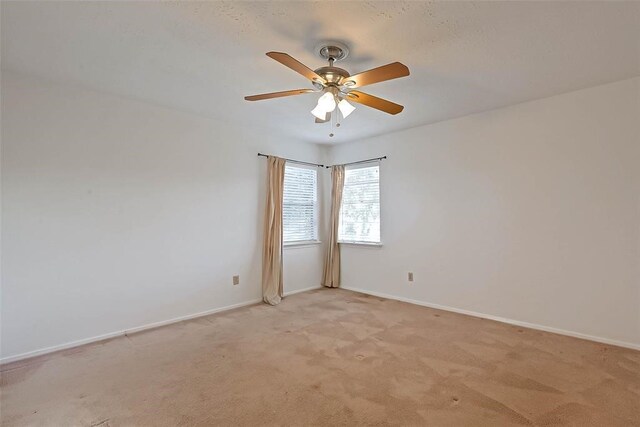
x=272, y=244
x=331, y=273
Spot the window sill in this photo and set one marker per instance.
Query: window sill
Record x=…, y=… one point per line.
x=295, y=245
x=362, y=244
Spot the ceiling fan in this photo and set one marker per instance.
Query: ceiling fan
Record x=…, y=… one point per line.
x=336, y=84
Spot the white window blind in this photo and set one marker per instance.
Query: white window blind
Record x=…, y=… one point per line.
x=299, y=209
x=360, y=211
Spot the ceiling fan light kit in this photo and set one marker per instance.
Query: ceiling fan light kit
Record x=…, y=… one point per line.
x=336, y=84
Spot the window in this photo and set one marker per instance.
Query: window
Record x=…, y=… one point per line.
x=360, y=211
x=299, y=208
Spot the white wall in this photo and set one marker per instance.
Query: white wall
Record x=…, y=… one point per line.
x=530, y=213
x=117, y=214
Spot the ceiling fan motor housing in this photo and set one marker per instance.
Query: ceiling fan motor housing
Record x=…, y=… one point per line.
x=333, y=75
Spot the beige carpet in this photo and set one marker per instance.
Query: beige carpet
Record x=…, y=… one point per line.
x=329, y=357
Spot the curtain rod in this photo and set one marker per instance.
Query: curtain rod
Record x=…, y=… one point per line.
x=361, y=161
x=293, y=161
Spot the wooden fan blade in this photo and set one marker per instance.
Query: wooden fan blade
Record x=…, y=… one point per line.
x=374, y=102
x=324, y=121
x=376, y=75
x=296, y=66
x=277, y=94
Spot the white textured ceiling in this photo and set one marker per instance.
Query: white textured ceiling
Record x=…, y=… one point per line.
x=203, y=57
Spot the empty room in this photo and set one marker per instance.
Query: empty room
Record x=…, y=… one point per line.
x=320, y=213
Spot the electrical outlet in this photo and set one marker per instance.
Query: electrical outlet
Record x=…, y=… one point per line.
x=410, y=276
x=236, y=280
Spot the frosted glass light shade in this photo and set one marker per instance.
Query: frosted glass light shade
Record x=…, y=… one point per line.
x=327, y=102
x=319, y=112
x=345, y=108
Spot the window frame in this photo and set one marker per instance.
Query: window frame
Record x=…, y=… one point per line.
x=316, y=211
x=377, y=163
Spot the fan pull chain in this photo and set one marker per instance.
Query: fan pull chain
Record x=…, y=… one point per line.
x=335, y=117
x=332, y=118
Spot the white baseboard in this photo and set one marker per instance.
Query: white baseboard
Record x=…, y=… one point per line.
x=115, y=334
x=499, y=319
x=297, y=291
